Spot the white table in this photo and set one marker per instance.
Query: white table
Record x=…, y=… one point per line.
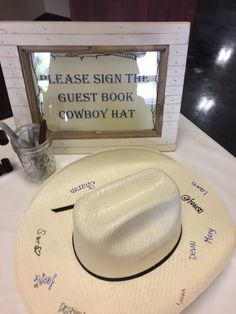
x=195, y=150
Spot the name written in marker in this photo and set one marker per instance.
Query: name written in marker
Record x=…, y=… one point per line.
x=193, y=250
x=201, y=189
x=43, y=280
x=37, y=246
x=90, y=185
x=181, y=297
x=193, y=203
x=210, y=235
x=67, y=309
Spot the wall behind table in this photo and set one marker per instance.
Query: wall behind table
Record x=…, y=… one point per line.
x=133, y=10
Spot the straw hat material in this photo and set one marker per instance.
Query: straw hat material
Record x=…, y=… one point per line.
x=128, y=226
x=121, y=231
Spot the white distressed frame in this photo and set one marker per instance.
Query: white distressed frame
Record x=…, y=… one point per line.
x=174, y=34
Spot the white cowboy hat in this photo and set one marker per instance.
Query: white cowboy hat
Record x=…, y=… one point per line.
x=125, y=230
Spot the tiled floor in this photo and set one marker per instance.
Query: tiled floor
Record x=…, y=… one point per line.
x=209, y=98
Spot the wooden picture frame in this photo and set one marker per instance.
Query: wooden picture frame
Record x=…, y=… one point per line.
x=20, y=40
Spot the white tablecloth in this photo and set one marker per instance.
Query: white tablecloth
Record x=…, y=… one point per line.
x=194, y=149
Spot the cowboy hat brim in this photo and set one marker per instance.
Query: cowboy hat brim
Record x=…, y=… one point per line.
x=51, y=279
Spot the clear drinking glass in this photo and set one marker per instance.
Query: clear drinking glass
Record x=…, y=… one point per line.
x=38, y=161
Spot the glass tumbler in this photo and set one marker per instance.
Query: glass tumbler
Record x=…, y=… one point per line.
x=37, y=161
